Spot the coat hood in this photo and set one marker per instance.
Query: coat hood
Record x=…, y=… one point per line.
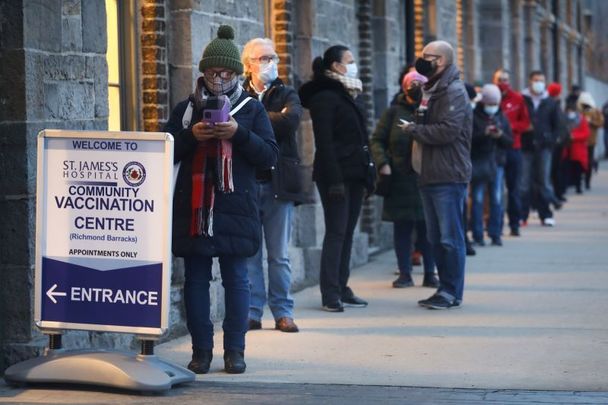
x=317, y=85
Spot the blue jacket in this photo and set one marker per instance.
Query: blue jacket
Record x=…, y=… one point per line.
x=236, y=223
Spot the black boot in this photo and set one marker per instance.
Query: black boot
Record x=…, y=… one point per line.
x=234, y=362
x=201, y=360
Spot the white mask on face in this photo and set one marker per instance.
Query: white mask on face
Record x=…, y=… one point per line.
x=351, y=70
x=490, y=109
x=538, y=87
x=268, y=72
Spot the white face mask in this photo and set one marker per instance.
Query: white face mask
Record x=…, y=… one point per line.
x=351, y=70
x=490, y=109
x=268, y=72
x=538, y=87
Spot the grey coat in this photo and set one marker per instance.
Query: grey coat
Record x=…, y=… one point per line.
x=445, y=133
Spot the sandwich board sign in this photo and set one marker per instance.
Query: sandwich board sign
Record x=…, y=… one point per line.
x=103, y=235
x=103, y=256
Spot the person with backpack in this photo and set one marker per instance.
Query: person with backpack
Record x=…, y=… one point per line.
x=215, y=202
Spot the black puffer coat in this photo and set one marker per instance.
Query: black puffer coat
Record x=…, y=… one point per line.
x=341, y=138
x=236, y=223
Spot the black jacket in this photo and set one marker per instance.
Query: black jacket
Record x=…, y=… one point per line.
x=545, y=121
x=486, y=151
x=341, y=139
x=285, y=112
x=445, y=132
x=236, y=223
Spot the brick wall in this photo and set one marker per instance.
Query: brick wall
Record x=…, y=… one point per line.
x=155, y=76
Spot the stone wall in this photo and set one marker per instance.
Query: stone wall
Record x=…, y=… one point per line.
x=53, y=75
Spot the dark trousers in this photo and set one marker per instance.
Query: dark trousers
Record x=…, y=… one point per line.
x=402, y=238
x=341, y=216
x=591, y=166
x=512, y=179
x=557, y=172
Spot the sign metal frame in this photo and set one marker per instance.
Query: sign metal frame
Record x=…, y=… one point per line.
x=165, y=197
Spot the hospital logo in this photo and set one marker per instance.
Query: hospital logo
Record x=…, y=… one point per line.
x=134, y=174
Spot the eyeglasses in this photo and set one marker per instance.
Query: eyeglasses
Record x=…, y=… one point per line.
x=265, y=59
x=222, y=74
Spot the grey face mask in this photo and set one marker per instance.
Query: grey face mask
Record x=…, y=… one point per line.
x=218, y=86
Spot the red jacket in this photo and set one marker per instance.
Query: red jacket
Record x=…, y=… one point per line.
x=514, y=108
x=577, y=151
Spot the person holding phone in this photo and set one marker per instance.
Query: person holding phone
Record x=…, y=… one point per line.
x=442, y=158
x=402, y=205
x=215, y=203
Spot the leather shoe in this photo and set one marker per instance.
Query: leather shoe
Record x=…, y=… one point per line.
x=234, y=362
x=431, y=281
x=286, y=324
x=254, y=325
x=201, y=360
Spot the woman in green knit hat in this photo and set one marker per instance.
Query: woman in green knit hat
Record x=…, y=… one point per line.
x=215, y=206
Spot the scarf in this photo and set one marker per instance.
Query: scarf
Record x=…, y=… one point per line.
x=211, y=168
x=354, y=87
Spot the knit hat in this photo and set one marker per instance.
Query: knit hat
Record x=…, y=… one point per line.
x=554, y=89
x=490, y=94
x=221, y=52
x=412, y=76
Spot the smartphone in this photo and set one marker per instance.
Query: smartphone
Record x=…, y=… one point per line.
x=217, y=109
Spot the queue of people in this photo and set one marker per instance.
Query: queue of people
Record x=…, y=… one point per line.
x=239, y=177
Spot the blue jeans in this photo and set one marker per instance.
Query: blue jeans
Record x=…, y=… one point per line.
x=445, y=231
x=402, y=238
x=536, y=189
x=196, y=297
x=495, y=189
x=276, y=216
x=513, y=179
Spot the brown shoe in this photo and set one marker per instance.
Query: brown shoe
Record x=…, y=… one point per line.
x=254, y=325
x=286, y=324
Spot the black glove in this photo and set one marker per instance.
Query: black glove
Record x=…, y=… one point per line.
x=337, y=192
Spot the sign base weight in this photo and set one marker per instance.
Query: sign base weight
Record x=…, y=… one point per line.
x=102, y=368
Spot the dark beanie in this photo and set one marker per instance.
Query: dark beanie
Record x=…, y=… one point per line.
x=222, y=52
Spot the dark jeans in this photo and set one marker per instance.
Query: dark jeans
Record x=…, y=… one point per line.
x=513, y=179
x=445, y=230
x=341, y=216
x=196, y=297
x=535, y=187
x=402, y=238
x=591, y=166
x=557, y=173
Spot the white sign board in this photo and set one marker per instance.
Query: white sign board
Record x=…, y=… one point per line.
x=103, y=235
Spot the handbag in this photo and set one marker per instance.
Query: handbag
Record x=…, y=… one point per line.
x=288, y=179
x=383, y=185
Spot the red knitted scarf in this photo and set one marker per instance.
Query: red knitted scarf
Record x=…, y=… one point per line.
x=211, y=166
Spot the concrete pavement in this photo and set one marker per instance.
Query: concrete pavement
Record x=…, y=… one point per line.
x=535, y=317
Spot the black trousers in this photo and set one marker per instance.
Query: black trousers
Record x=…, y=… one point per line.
x=341, y=216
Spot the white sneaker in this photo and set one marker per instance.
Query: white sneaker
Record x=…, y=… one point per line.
x=549, y=222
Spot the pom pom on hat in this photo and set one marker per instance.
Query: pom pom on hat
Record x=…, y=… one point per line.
x=222, y=52
x=554, y=89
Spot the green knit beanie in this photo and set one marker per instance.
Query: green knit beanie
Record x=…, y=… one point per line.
x=221, y=52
